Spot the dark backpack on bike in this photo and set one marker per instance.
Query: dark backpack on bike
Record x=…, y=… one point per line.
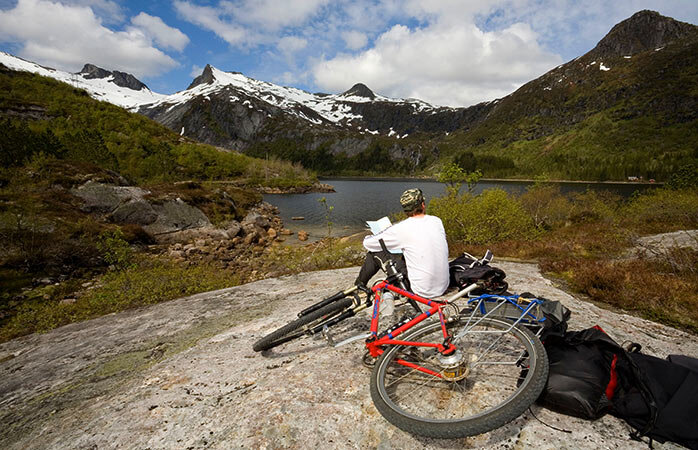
x=466, y=270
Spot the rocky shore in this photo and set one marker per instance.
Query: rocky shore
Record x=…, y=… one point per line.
x=182, y=374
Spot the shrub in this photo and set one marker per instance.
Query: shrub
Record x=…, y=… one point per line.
x=115, y=250
x=660, y=207
x=546, y=205
x=594, y=206
x=490, y=217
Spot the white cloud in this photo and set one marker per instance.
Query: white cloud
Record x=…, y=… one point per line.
x=195, y=71
x=272, y=14
x=155, y=29
x=210, y=18
x=455, y=65
x=109, y=11
x=249, y=23
x=66, y=37
x=355, y=40
x=292, y=44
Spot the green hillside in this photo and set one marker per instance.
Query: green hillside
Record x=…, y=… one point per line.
x=41, y=115
x=638, y=118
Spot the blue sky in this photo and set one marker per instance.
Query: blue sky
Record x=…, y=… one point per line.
x=448, y=52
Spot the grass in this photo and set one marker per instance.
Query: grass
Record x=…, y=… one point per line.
x=150, y=280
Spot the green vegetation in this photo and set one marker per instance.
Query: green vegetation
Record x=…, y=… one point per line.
x=588, y=241
x=375, y=160
x=75, y=127
x=636, y=120
x=55, y=138
x=148, y=280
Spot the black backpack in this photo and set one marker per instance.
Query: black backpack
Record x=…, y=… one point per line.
x=466, y=270
x=591, y=375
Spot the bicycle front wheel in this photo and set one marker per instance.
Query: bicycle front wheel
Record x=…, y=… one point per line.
x=497, y=372
x=302, y=325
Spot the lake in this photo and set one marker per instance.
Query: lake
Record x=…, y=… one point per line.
x=358, y=200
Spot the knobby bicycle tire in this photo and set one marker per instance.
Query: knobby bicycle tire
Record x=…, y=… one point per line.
x=298, y=327
x=438, y=408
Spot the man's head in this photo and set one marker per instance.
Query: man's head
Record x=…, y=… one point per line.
x=412, y=201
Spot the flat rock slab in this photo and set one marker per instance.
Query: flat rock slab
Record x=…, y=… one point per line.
x=182, y=374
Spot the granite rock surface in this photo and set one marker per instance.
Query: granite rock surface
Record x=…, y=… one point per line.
x=182, y=374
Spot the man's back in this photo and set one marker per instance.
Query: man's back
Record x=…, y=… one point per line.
x=422, y=240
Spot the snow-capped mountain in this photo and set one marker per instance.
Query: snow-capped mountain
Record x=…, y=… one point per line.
x=113, y=87
x=230, y=109
x=322, y=107
x=125, y=90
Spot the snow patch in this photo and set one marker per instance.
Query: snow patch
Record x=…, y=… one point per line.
x=604, y=68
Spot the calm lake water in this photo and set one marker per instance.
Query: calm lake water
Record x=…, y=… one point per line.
x=358, y=200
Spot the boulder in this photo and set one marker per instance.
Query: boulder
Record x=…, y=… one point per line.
x=232, y=228
x=138, y=212
x=105, y=198
x=175, y=215
x=302, y=235
x=254, y=218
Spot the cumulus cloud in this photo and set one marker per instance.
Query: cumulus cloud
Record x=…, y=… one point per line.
x=272, y=14
x=211, y=19
x=67, y=36
x=446, y=65
x=355, y=40
x=249, y=23
x=155, y=29
x=292, y=44
x=195, y=71
x=109, y=11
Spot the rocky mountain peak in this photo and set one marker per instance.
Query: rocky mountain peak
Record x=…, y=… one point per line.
x=644, y=30
x=206, y=77
x=123, y=79
x=359, y=90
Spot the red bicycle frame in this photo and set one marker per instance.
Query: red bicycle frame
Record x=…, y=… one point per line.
x=375, y=344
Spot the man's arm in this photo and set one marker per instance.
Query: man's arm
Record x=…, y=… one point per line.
x=391, y=237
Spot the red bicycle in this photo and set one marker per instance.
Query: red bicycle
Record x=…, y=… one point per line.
x=474, y=369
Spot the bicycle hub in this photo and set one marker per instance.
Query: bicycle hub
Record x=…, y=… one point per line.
x=454, y=367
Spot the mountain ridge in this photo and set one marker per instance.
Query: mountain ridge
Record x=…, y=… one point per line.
x=627, y=76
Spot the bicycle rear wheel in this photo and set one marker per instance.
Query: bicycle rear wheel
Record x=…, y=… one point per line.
x=300, y=326
x=497, y=372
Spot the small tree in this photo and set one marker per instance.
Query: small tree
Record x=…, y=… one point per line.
x=454, y=176
x=328, y=215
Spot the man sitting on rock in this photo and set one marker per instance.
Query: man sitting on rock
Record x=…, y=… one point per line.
x=424, y=257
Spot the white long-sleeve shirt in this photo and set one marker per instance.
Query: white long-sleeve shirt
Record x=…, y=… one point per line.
x=423, y=242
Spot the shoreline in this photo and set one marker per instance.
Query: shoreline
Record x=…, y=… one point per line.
x=498, y=180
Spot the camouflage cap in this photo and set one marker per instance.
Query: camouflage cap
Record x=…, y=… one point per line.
x=411, y=199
